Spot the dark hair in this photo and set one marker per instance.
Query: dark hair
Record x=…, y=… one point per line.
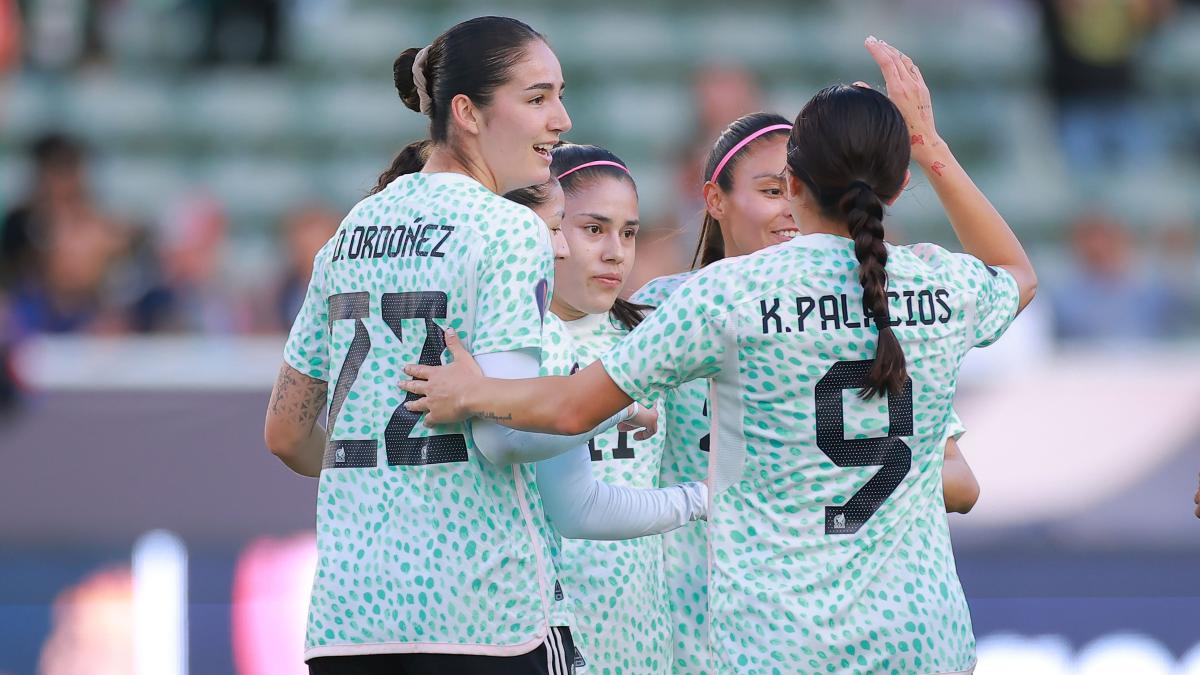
x=711, y=246
x=410, y=160
x=471, y=58
x=568, y=156
x=533, y=196
x=850, y=146
x=55, y=149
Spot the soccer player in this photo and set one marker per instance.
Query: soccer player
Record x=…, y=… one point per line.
x=433, y=548
x=616, y=587
x=745, y=211
x=835, y=359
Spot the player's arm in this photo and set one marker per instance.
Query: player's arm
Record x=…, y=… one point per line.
x=981, y=229
x=582, y=507
x=291, y=430
x=958, y=481
x=502, y=445
x=556, y=405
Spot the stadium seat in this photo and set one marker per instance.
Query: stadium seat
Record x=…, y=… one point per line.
x=237, y=109
x=112, y=110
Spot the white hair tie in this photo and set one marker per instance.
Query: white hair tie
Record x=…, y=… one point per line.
x=418, y=71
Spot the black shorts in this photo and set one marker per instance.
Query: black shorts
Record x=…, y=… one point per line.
x=555, y=656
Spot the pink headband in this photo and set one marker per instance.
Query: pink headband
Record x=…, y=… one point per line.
x=745, y=141
x=599, y=162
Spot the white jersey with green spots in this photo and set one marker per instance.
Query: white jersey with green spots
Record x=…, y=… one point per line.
x=685, y=428
x=423, y=545
x=829, y=550
x=616, y=587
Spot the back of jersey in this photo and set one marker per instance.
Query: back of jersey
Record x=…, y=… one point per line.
x=419, y=537
x=827, y=527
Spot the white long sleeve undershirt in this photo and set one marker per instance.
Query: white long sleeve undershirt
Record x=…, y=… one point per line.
x=579, y=505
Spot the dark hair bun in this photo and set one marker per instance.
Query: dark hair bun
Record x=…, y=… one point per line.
x=402, y=75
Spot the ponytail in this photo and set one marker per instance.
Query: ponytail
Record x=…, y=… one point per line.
x=863, y=212
x=850, y=148
x=711, y=246
x=410, y=160
x=628, y=314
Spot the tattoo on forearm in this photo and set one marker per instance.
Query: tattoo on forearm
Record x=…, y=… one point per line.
x=298, y=397
x=917, y=139
x=496, y=417
x=937, y=167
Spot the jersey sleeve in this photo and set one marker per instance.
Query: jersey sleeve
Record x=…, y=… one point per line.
x=955, y=428
x=995, y=291
x=307, y=348
x=654, y=292
x=680, y=341
x=515, y=276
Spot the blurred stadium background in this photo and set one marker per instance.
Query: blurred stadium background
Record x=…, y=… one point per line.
x=169, y=167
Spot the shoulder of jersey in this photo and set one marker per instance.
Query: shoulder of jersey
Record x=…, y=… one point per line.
x=929, y=259
x=655, y=291
x=553, y=324
x=491, y=205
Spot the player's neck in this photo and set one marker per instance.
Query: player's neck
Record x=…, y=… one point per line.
x=564, y=311
x=815, y=224
x=446, y=160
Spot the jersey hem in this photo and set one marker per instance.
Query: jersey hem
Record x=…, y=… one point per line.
x=427, y=648
x=969, y=671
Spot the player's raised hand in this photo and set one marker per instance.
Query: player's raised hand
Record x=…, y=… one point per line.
x=443, y=388
x=906, y=88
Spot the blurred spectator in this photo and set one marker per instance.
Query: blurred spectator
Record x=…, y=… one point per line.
x=92, y=631
x=242, y=31
x=721, y=93
x=1107, y=298
x=9, y=385
x=61, y=34
x=1091, y=47
x=10, y=35
x=57, y=249
x=305, y=231
x=1178, y=261
x=194, y=293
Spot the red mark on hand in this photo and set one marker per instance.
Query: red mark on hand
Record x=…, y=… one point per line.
x=918, y=139
x=937, y=167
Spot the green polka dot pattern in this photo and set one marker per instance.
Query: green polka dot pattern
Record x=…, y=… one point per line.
x=438, y=554
x=792, y=589
x=619, y=600
x=684, y=426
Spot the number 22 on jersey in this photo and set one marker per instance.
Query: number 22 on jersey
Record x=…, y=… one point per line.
x=401, y=448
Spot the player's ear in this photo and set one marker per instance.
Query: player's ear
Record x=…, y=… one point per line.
x=793, y=189
x=714, y=201
x=903, y=187
x=465, y=114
